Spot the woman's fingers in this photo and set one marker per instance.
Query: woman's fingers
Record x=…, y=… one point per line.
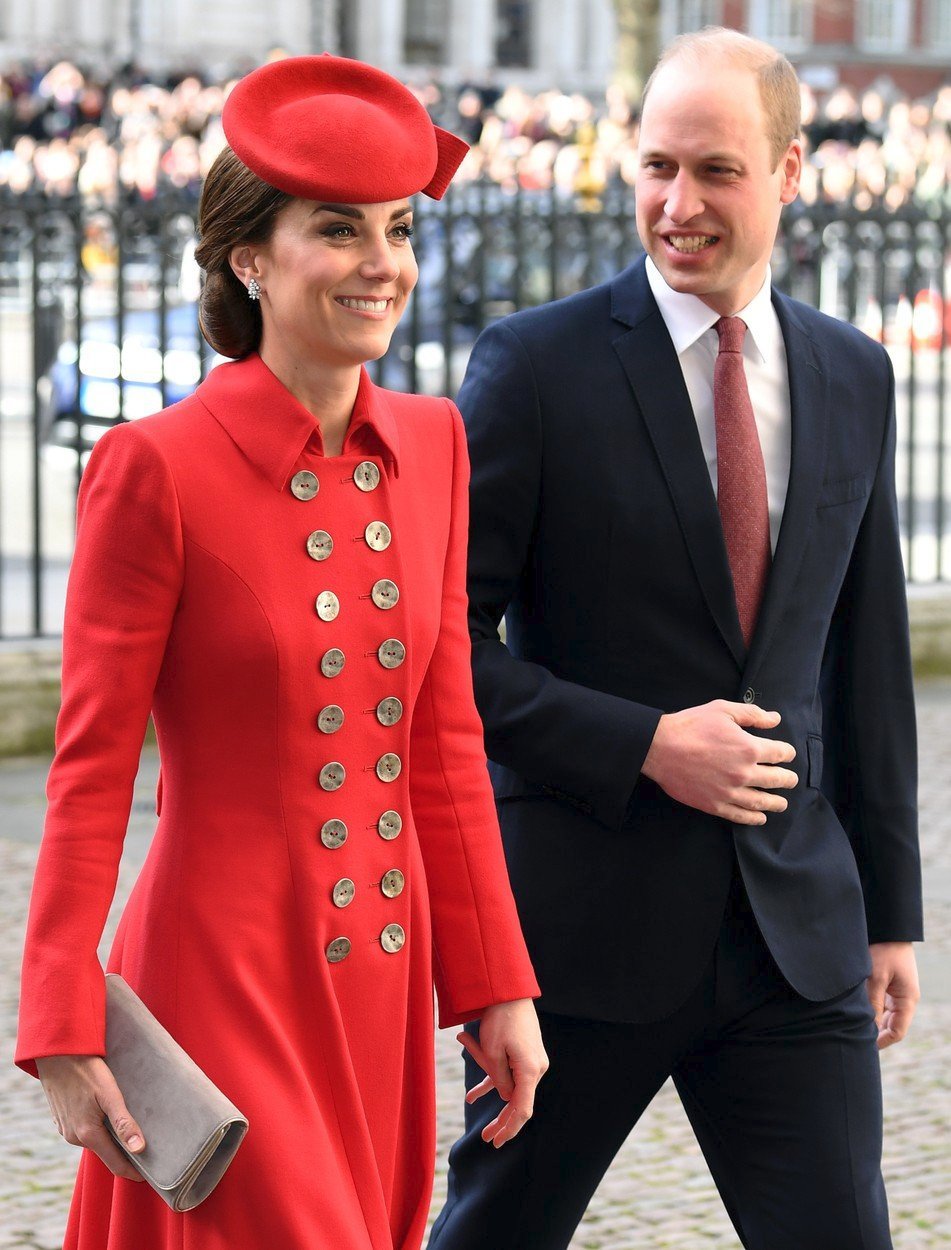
x=83, y=1097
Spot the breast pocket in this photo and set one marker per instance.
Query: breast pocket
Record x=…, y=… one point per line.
x=843, y=490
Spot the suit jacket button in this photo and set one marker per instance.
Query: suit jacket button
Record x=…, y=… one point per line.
x=338, y=949
x=392, y=883
x=330, y=719
x=389, y=767
x=366, y=476
x=392, y=938
x=332, y=776
x=389, y=825
x=749, y=695
x=333, y=834
x=392, y=653
x=343, y=892
x=319, y=545
x=304, y=485
x=332, y=662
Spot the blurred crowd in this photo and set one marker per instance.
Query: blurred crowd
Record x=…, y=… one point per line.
x=126, y=136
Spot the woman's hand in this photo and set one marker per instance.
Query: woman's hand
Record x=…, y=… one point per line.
x=82, y=1091
x=510, y=1052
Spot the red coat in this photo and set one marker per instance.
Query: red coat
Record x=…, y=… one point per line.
x=194, y=592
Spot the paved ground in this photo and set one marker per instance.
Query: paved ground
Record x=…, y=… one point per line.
x=657, y=1193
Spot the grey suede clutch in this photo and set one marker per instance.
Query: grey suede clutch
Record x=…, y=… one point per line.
x=191, y=1129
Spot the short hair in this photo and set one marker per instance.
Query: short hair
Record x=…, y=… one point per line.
x=778, y=84
x=236, y=207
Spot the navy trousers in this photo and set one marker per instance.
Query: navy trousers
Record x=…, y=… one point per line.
x=783, y=1094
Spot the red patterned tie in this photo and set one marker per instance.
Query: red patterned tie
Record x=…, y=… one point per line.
x=741, y=476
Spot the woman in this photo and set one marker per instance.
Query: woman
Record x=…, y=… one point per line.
x=276, y=567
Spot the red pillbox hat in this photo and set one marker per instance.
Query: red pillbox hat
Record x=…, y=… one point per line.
x=329, y=128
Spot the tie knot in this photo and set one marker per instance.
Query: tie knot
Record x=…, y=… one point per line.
x=732, y=332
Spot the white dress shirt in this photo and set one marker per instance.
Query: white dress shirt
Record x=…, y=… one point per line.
x=690, y=324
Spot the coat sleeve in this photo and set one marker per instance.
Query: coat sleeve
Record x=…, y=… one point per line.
x=479, y=953
x=586, y=746
x=124, y=586
x=869, y=712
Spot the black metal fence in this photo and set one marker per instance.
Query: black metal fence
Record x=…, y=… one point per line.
x=98, y=324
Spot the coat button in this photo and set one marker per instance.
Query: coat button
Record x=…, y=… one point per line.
x=343, y=892
x=304, y=485
x=388, y=711
x=333, y=834
x=330, y=719
x=392, y=653
x=385, y=593
x=332, y=776
x=378, y=535
x=392, y=938
x=389, y=767
x=389, y=825
x=328, y=605
x=749, y=695
x=392, y=883
x=366, y=476
x=319, y=545
x=332, y=662
x=338, y=949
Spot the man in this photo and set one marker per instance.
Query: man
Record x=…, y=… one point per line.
x=702, y=726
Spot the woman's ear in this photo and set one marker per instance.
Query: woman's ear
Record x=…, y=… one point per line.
x=244, y=263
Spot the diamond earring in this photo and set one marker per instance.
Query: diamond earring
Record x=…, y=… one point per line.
x=254, y=290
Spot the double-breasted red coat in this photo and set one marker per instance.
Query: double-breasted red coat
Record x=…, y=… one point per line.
x=327, y=845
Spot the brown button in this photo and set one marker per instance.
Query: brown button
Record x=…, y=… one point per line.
x=389, y=767
x=392, y=883
x=366, y=476
x=389, y=825
x=392, y=938
x=389, y=711
x=330, y=719
x=332, y=662
x=378, y=535
x=343, y=892
x=333, y=834
x=332, y=776
x=385, y=593
x=328, y=605
x=304, y=485
x=391, y=653
x=338, y=949
x=319, y=545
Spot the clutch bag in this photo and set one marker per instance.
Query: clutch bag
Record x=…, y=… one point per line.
x=191, y=1129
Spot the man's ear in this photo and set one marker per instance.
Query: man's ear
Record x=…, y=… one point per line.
x=792, y=171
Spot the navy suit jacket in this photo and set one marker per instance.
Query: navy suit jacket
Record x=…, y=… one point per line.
x=595, y=531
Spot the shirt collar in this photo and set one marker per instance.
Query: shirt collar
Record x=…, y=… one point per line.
x=687, y=317
x=273, y=429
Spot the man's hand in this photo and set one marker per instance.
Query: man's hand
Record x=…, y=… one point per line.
x=893, y=989
x=511, y=1053
x=704, y=757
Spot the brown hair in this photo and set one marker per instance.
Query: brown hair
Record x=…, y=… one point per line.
x=236, y=207
x=778, y=84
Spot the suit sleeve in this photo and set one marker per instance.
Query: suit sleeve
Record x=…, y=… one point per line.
x=581, y=745
x=479, y=953
x=869, y=713
x=124, y=586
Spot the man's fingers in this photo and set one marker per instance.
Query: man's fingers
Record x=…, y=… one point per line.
x=771, y=751
x=495, y=1067
x=768, y=777
x=749, y=715
x=477, y=1091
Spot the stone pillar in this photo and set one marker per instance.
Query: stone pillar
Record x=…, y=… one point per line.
x=557, y=37
x=380, y=33
x=471, y=50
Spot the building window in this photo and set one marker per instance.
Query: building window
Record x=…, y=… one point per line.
x=939, y=25
x=884, y=25
x=513, y=33
x=785, y=23
x=426, y=26
x=695, y=14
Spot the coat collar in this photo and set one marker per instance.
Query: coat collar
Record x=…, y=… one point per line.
x=273, y=429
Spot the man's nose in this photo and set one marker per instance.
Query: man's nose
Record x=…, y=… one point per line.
x=684, y=201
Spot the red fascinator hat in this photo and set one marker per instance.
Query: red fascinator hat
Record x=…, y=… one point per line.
x=328, y=128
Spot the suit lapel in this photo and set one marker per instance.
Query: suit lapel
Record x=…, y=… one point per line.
x=808, y=391
x=648, y=358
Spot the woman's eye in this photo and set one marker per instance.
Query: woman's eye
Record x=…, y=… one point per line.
x=340, y=230
x=404, y=230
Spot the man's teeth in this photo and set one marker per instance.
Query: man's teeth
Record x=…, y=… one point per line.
x=365, y=305
x=691, y=242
